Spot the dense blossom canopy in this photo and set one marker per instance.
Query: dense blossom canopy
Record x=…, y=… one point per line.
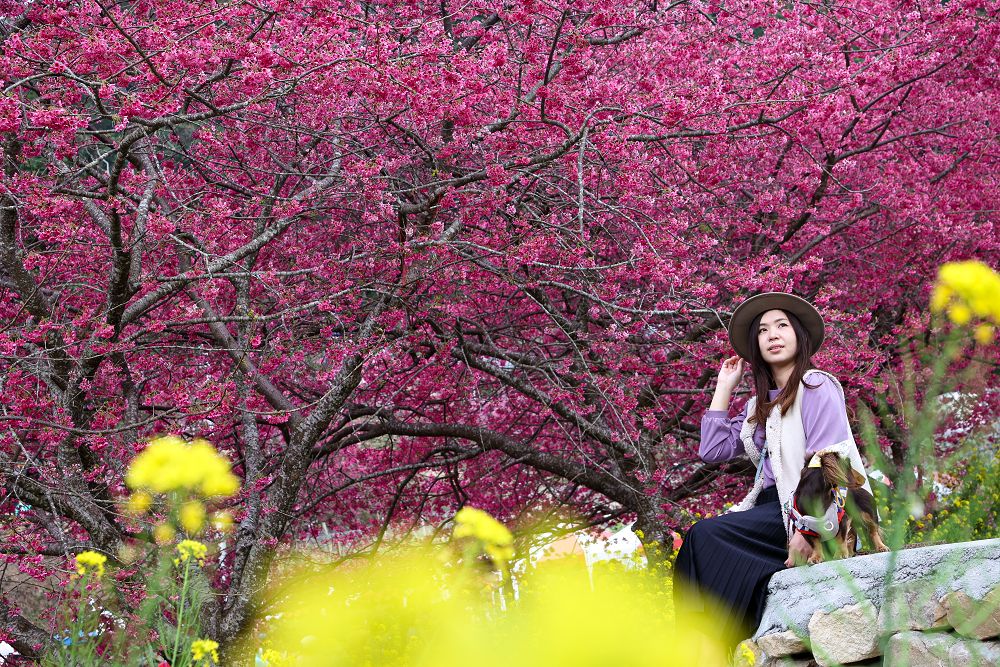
x=395, y=257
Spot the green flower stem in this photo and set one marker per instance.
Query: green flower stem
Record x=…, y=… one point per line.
x=76, y=628
x=180, y=612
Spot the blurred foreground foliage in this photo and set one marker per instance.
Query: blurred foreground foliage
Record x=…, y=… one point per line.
x=449, y=604
x=948, y=488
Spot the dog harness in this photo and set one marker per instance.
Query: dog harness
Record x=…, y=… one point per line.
x=825, y=527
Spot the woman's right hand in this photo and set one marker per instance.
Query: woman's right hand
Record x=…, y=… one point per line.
x=730, y=374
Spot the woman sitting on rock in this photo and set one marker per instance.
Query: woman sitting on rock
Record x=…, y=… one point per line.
x=796, y=410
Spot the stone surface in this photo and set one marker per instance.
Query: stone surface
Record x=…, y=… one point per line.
x=748, y=654
x=912, y=605
x=795, y=594
x=919, y=649
x=787, y=661
x=845, y=635
x=761, y=658
x=977, y=619
x=970, y=653
x=779, y=644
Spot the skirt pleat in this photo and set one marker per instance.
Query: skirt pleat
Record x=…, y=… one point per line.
x=728, y=560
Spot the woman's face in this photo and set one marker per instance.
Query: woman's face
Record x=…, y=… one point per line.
x=776, y=338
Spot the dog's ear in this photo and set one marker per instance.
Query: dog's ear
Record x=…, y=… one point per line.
x=834, y=471
x=855, y=479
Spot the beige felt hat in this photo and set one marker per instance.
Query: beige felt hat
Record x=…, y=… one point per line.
x=745, y=313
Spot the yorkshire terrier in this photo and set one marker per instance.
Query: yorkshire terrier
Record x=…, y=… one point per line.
x=828, y=502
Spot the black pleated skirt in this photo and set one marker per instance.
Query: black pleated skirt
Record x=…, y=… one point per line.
x=725, y=564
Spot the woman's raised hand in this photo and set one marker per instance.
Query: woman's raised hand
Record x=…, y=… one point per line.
x=731, y=373
x=729, y=377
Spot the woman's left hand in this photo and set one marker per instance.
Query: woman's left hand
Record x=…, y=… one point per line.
x=799, y=550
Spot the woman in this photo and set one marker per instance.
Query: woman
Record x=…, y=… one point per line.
x=796, y=410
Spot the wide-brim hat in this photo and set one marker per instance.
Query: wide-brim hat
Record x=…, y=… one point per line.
x=745, y=313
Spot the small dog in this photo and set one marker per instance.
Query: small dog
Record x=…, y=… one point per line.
x=828, y=502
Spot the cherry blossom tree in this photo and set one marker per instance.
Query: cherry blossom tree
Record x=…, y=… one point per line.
x=397, y=257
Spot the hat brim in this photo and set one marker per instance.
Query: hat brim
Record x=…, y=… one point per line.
x=745, y=313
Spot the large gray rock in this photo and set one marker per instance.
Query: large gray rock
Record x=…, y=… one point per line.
x=939, y=649
x=912, y=605
x=751, y=654
x=787, y=661
x=779, y=644
x=919, y=649
x=794, y=595
x=969, y=653
x=978, y=619
x=845, y=635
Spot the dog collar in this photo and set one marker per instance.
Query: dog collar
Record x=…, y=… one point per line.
x=826, y=526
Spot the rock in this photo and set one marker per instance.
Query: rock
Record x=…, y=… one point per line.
x=969, y=653
x=912, y=605
x=795, y=594
x=918, y=649
x=779, y=644
x=845, y=635
x=976, y=619
x=748, y=654
x=752, y=654
x=788, y=661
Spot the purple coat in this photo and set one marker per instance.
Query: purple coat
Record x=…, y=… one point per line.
x=824, y=421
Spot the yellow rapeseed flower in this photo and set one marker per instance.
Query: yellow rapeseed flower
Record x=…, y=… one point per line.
x=192, y=516
x=222, y=521
x=139, y=503
x=216, y=479
x=150, y=469
x=163, y=533
x=90, y=562
x=273, y=658
x=967, y=290
x=189, y=549
x=496, y=540
x=984, y=334
x=472, y=522
x=408, y=610
x=170, y=464
x=203, y=649
x=499, y=555
x=960, y=314
x=748, y=655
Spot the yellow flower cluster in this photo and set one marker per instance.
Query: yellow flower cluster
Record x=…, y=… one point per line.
x=164, y=533
x=409, y=609
x=972, y=509
x=191, y=549
x=171, y=464
x=272, y=658
x=192, y=516
x=203, y=649
x=497, y=541
x=88, y=562
x=966, y=291
x=186, y=473
x=139, y=503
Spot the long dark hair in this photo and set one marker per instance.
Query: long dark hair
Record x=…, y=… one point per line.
x=764, y=380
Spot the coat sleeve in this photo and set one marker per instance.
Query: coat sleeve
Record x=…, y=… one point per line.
x=720, y=436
